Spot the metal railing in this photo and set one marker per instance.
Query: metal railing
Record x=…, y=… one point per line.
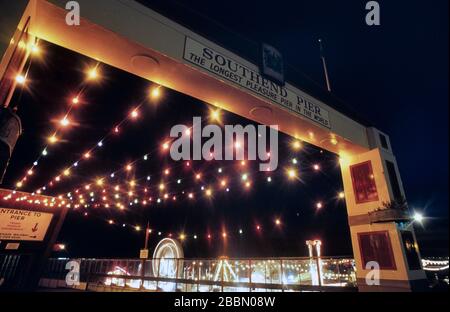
x=209, y=275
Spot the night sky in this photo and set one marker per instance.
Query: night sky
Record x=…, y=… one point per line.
x=394, y=75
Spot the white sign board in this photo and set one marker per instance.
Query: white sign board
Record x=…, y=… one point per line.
x=23, y=225
x=227, y=68
x=143, y=254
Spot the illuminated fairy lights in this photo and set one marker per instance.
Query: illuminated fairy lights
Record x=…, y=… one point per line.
x=144, y=200
x=92, y=74
x=134, y=114
x=107, y=198
x=208, y=192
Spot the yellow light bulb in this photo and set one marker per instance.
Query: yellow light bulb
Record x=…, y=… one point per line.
x=155, y=93
x=53, y=139
x=20, y=79
x=92, y=73
x=297, y=145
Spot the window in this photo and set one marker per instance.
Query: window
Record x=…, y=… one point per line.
x=393, y=179
x=364, y=183
x=376, y=246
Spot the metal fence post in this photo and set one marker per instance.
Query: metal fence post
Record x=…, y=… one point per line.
x=222, y=274
x=318, y=271
x=177, y=263
x=157, y=275
x=250, y=274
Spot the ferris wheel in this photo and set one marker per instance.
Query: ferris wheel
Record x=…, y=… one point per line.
x=168, y=259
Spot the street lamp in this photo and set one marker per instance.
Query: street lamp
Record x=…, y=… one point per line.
x=418, y=217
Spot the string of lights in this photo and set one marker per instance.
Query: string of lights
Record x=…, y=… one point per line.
x=88, y=154
x=63, y=123
x=85, y=197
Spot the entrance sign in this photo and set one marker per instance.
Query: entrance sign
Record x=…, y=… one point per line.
x=225, y=67
x=23, y=225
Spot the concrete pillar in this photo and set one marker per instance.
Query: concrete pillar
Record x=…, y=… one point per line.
x=372, y=184
x=12, y=23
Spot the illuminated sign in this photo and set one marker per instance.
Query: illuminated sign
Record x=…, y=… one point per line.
x=23, y=225
x=240, y=75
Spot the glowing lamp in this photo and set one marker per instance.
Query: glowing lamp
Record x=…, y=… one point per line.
x=20, y=79
x=296, y=145
x=52, y=139
x=155, y=93
x=418, y=217
x=92, y=73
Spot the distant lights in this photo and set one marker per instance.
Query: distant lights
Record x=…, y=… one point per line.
x=341, y=195
x=316, y=167
x=75, y=100
x=319, y=205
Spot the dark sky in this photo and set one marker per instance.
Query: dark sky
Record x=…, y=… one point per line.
x=395, y=75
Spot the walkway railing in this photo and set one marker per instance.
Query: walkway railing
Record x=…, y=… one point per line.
x=205, y=275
